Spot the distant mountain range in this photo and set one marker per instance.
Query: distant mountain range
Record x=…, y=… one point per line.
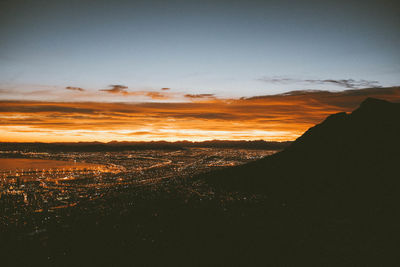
x=338, y=186
x=125, y=146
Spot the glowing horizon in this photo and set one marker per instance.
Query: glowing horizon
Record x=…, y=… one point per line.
x=281, y=117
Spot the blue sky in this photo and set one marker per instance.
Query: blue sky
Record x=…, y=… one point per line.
x=226, y=48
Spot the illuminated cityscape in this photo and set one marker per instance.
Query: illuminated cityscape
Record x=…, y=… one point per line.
x=73, y=180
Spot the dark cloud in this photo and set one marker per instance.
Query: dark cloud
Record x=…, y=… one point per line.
x=199, y=95
x=73, y=88
x=122, y=89
x=341, y=99
x=165, y=89
x=345, y=83
x=291, y=93
x=116, y=89
x=278, y=80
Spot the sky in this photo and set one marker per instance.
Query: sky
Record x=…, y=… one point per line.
x=191, y=70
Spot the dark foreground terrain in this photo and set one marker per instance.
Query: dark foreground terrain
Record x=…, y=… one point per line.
x=330, y=199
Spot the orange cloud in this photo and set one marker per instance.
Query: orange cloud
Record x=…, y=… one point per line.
x=270, y=117
x=156, y=95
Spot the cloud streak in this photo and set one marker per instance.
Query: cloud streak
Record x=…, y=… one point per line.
x=344, y=83
x=73, y=88
x=197, y=96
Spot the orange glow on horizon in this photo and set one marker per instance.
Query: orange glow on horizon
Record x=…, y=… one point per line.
x=275, y=118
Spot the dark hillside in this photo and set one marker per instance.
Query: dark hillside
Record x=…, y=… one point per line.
x=338, y=184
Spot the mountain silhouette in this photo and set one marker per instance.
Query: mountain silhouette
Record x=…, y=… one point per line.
x=344, y=147
x=336, y=189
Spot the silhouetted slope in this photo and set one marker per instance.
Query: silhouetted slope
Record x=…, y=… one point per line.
x=342, y=145
x=338, y=186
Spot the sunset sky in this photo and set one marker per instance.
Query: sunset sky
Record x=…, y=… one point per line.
x=195, y=70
